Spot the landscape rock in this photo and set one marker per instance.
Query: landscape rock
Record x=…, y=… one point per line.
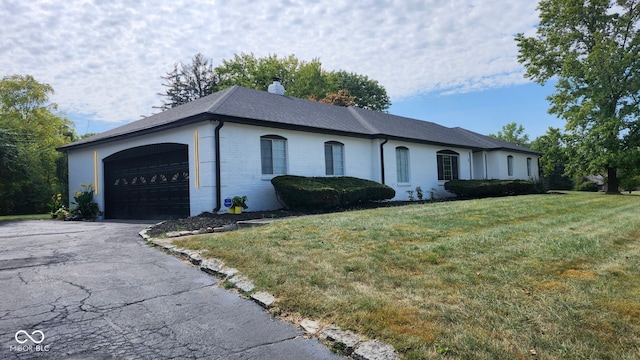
x=177, y=251
x=344, y=341
x=163, y=243
x=310, y=326
x=227, y=272
x=242, y=283
x=244, y=224
x=193, y=255
x=265, y=299
x=246, y=286
x=225, y=228
x=211, y=266
x=375, y=350
x=237, y=278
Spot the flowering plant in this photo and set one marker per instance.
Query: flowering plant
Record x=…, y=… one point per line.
x=56, y=203
x=85, y=207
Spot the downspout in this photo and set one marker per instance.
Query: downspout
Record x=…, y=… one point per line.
x=382, y=158
x=216, y=135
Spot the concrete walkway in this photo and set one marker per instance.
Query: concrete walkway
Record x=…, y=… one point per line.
x=83, y=290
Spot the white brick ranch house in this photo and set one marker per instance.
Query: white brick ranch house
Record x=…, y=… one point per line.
x=189, y=159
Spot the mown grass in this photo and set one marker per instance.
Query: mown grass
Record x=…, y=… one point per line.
x=25, y=217
x=502, y=278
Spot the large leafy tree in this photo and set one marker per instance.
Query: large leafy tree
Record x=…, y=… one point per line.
x=187, y=82
x=591, y=47
x=303, y=79
x=512, y=133
x=367, y=93
x=30, y=131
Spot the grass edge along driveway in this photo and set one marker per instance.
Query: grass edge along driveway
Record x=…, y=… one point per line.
x=537, y=276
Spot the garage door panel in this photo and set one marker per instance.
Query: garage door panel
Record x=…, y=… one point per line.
x=154, y=185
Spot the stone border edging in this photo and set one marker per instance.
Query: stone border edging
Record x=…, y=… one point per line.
x=340, y=341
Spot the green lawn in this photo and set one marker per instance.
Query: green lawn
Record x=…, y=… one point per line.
x=46, y=216
x=558, y=275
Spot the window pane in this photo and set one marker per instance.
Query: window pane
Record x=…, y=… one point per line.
x=528, y=166
x=447, y=167
x=328, y=159
x=402, y=164
x=279, y=148
x=510, y=165
x=454, y=167
x=334, y=158
x=266, y=156
x=338, y=159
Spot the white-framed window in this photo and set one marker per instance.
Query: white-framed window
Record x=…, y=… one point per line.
x=402, y=164
x=509, y=165
x=334, y=158
x=447, y=165
x=273, y=155
x=529, y=172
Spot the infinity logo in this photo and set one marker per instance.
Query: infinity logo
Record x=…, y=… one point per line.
x=29, y=336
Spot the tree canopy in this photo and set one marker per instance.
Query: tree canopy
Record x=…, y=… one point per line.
x=31, y=170
x=554, y=158
x=512, y=133
x=187, y=82
x=303, y=79
x=591, y=47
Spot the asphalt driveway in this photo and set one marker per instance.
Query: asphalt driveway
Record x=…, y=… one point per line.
x=95, y=290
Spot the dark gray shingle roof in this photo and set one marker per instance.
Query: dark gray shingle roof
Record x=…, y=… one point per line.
x=243, y=105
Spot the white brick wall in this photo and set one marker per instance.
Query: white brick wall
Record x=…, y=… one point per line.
x=305, y=156
x=423, y=170
x=81, y=163
x=497, y=164
x=241, y=167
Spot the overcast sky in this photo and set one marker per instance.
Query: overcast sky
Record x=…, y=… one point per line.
x=105, y=58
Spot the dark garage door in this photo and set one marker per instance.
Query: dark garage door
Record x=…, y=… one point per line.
x=148, y=182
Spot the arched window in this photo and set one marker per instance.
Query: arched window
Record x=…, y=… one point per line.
x=402, y=164
x=273, y=154
x=509, y=165
x=447, y=165
x=334, y=158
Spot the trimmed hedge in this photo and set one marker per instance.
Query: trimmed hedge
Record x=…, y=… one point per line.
x=301, y=192
x=585, y=184
x=491, y=188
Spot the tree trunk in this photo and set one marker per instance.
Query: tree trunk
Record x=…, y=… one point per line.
x=613, y=181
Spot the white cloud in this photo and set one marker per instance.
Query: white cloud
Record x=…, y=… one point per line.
x=105, y=58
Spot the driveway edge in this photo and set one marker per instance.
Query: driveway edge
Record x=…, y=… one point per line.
x=339, y=341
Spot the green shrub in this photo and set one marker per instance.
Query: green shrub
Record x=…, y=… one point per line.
x=491, y=188
x=630, y=183
x=585, y=184
x=300, y=192
x=85, y=207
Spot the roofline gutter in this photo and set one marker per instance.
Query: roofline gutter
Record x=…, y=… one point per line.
x=216, y=135
x=386, y=139
x=186, y=121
